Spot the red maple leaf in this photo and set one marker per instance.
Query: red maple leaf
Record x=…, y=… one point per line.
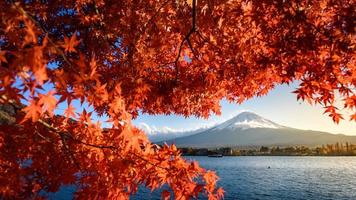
x=70, y=112
x=48, y=101
x=33, y=111
x=70, y=44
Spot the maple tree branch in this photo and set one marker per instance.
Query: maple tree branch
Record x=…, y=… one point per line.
x=63, y=140
x=51, y=128
x=115, y=148
x=100, y=146
x=59, y=51
x=43, y=137
x=15, y=106
x=207, y=41
x=69, y=152
x=185, y=39
x=69, y=135
x=191, y=31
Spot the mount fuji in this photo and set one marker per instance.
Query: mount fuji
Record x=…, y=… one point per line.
x=248, y=129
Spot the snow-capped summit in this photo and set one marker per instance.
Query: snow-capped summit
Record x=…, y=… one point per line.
x=246, y=120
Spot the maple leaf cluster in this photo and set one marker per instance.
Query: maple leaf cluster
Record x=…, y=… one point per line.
x=157, y=57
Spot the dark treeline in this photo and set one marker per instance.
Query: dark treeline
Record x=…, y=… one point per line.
x=337, y=149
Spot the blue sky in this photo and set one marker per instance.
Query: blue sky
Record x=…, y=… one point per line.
x=280, y=106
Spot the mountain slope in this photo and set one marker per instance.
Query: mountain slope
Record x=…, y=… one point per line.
x=249, y=129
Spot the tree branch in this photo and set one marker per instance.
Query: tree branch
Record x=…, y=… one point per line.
x=99, y=146
x=186, y=39
x=69, y=152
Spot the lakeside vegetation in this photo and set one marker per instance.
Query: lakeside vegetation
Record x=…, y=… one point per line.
x=337, y=149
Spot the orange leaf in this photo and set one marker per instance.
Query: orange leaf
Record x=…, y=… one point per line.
x=33, y=111
x=48, y=101
x=220, y=193
x=336, y=117
x=41, y=74
x=70, y=112
x=70, y=44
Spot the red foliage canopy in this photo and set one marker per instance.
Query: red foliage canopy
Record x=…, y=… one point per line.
x=156, y=57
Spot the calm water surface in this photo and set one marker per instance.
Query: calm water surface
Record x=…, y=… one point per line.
x=287, y=178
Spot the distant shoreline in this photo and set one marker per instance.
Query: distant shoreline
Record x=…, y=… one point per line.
x=337, y=149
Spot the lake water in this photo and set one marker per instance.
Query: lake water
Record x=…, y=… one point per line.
x=287, y=178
